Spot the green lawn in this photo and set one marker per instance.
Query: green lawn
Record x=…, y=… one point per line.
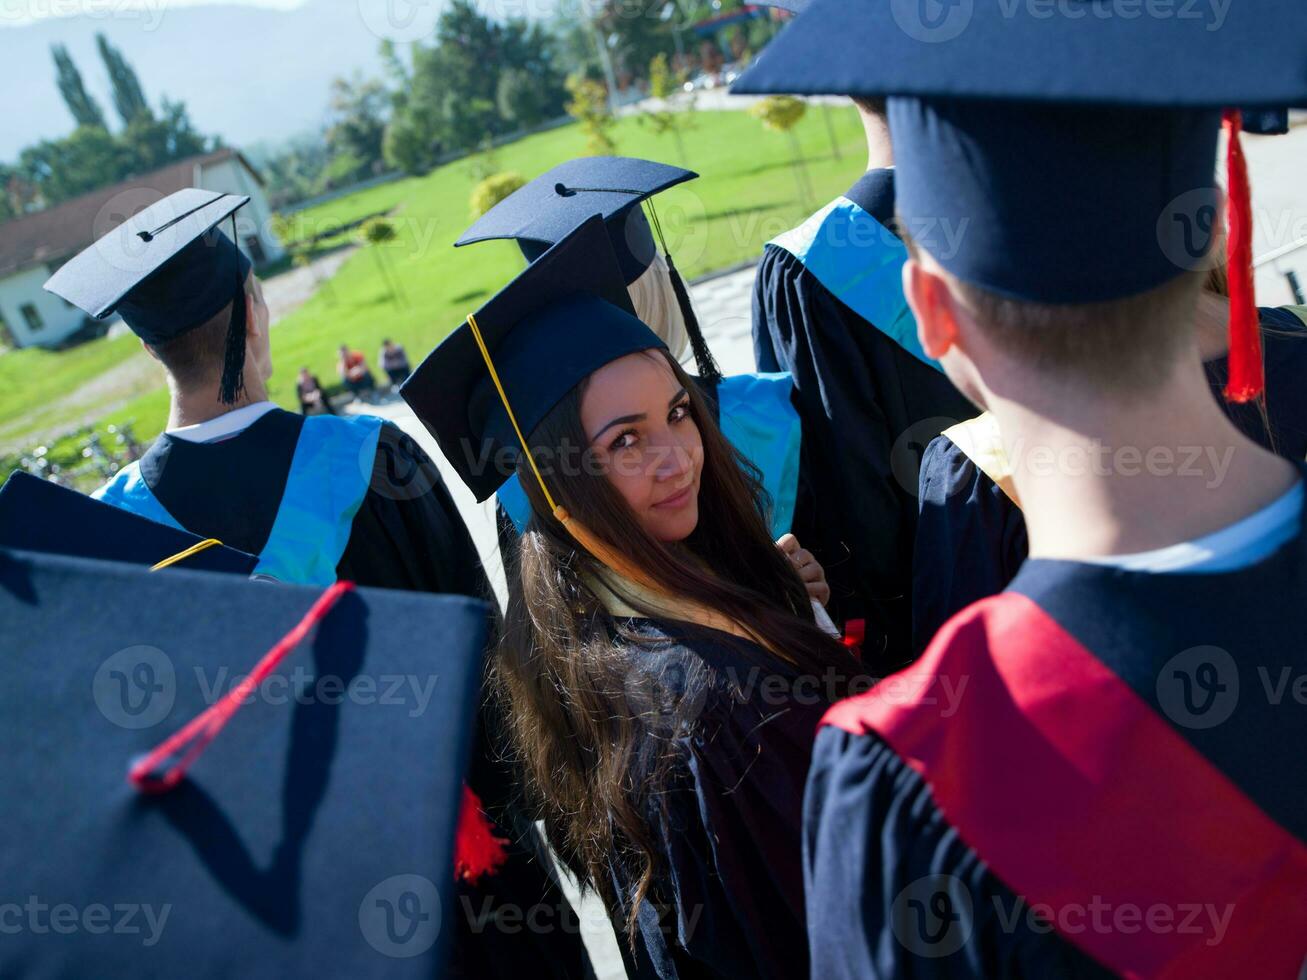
x=747, y=194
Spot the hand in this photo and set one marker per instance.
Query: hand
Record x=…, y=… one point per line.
x=809, y=569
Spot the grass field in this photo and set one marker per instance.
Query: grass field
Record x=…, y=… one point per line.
x=747, y=193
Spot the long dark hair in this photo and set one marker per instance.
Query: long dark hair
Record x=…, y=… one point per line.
x=594, y=769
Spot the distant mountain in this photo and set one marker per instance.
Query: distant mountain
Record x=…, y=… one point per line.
x=245, y=73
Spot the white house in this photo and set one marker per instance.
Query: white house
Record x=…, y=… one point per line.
x=34, y=246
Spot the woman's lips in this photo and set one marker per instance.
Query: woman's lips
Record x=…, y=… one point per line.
x=676, y=500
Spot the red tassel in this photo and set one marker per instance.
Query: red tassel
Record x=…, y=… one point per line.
x=477, y=850
x=1245, y=359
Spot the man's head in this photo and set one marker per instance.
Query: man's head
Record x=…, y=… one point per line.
x=194, y=360
x=989, y=344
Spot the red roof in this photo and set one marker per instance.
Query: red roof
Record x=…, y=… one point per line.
x=57, y=233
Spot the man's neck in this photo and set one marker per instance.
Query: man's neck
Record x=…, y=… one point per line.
x=880, y=151
x=193, y=406
x=1096, y=476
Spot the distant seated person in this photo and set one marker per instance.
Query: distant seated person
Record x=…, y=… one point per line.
x=353, y=371
x=313, y=400
x=394, y=362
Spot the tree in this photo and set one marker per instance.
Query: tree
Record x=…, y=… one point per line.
x=156, y=142
x=86, y=111
x=88, y=158
x=494, y=189
x=478, y=79
x=671, y=118
x=589, y=107
x=128, y=96
x=781, y=113
x=377, y=233
x=357, y=130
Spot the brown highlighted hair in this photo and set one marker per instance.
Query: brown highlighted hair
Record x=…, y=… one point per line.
x=594, y=769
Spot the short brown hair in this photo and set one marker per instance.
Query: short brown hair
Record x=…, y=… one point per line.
x=873, y=107
x=197, y=356
x=1122, y=345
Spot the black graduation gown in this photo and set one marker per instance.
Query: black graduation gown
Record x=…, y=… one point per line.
x=407, y=534
x=859, y=395
x=728, y=902
x=1106, y=793
x=971, y=537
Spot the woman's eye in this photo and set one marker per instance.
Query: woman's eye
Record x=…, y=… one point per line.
x=680, y=413
x=624, y=441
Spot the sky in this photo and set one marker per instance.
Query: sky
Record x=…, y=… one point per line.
x=18, y=13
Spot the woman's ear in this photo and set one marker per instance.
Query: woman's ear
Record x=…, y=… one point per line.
x=933, y=306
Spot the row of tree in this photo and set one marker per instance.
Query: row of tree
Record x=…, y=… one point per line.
x=92, y=155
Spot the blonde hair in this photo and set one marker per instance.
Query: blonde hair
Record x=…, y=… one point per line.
x=654, y=299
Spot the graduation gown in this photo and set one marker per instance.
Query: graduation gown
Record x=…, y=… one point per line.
x=405, y=533
x=971, y=537
x=728, y=902
x=828, y=308
x=1086, y=773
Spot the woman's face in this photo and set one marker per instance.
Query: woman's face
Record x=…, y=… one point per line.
x=637, y=418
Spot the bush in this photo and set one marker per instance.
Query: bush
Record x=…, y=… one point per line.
x=779, y=112
x=494, y=189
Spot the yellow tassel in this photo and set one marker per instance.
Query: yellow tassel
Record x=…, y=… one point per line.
x=194, y=549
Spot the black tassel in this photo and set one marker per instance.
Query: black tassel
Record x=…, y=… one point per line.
x=233, y=358
x=703, y=359
x=233, y=361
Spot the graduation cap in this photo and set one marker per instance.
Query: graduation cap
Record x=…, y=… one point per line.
x=167, y=270
x=482, y=392
x=37, y=515
x=546, y=210
x=314, y=834
x=1078, y=144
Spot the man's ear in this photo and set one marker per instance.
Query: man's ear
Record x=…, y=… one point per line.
x=932, y=304
x=251, y=326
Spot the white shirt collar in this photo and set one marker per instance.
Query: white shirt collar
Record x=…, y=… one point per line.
x=225, y=425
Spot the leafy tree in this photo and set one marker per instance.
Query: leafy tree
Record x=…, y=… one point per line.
x=494, y=189
x=671, y=118
x=478, y=79
x=88, y=158
x=589, y=107
x=128, y=96
x=781, y=113
x=155, y=142
x=86, y=111
x=377, y=233
x=358, y=125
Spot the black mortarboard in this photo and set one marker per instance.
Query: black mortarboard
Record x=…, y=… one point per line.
x=549, y=208
x=166, y=270
x=313, y=836
x=37, y=515
x=1070, y=148
x=564, y=317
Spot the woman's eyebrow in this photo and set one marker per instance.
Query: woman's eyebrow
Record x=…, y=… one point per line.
x=627, y=419
x=620, y=420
